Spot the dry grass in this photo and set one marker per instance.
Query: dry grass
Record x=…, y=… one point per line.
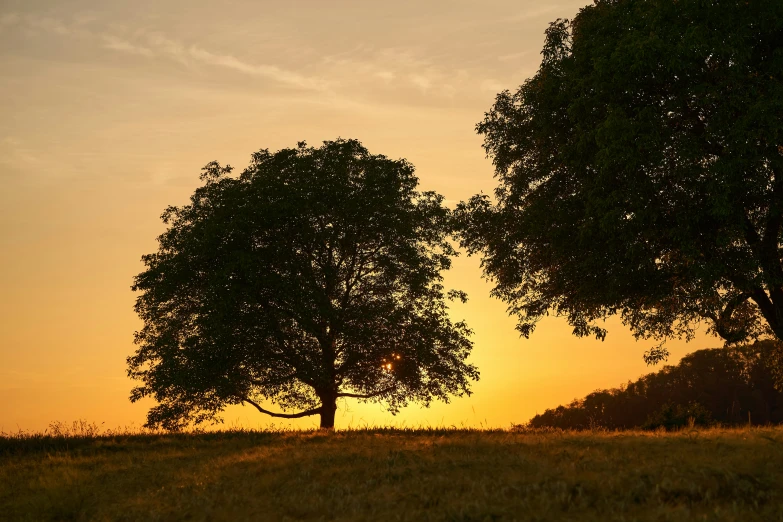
x=454, y=475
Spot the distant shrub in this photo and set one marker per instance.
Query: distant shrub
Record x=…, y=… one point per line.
x=673, y=417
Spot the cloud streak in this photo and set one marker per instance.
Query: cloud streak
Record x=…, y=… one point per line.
x=156, y=45
x=407, y=75
x=265, y=71
x=118, y=44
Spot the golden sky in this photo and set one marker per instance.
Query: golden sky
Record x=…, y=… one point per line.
x=110, y=109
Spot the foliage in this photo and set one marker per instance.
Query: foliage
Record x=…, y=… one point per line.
x=427, y=475
x=725, y=385
x=672, y=417
x=314, y=275
x=641, y=173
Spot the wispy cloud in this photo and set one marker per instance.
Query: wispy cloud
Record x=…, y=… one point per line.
x=398, y=68
x=118, y=44
x=265, y=71
x=413, y=75
x=158, y=46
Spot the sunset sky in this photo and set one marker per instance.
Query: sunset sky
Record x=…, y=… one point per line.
x=110, y=109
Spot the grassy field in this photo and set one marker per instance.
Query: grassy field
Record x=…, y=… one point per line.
x=450, y=475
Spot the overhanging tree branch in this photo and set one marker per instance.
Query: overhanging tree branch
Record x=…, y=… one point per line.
x=723, y=321
x=299, y=415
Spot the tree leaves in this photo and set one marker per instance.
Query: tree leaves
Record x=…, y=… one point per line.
x=314, y=274
x=639, y=171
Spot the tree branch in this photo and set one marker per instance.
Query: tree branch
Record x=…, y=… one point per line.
x=366, y=395
x=768, y=257
x=770, y=240
x=767, y=308
x=282, y=415
x=722, y=321
x=774, y=214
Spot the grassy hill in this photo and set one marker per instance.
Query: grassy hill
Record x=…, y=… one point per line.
x=450, y=475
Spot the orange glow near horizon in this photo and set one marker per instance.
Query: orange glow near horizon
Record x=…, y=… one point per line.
x=111, y=109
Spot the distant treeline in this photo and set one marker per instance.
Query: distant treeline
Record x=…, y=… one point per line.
x=720, y=385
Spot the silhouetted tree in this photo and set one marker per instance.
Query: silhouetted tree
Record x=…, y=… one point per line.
x=314, y=275
x=715, y=385
x=641, y=173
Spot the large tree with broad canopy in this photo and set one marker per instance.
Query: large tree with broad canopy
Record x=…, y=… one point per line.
x=314, y=275
x=641, y=173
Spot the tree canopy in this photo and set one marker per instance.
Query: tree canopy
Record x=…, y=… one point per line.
x=641, y=173
x=314, y=275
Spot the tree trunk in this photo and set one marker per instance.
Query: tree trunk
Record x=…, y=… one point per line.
x=328, y=409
